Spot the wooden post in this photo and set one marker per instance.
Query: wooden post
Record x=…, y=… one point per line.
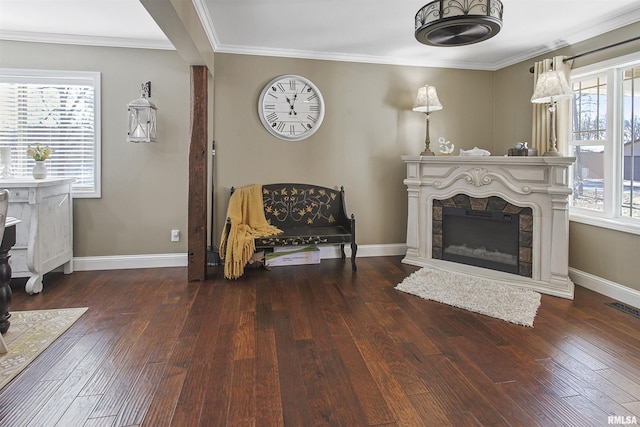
x=197, y=234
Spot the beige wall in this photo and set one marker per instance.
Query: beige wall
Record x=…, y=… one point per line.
x=368, y=125
x=144, y=186
x=604, y=253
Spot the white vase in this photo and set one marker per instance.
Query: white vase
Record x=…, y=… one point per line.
x=39, y=170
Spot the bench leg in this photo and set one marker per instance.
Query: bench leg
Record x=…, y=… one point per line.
x=354, y=249
x=344, y=256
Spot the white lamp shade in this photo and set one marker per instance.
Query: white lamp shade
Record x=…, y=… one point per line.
x=550, y=87
x=427, y=100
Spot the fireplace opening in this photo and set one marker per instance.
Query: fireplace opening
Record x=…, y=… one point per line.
x=484, y=232
x=481, y=238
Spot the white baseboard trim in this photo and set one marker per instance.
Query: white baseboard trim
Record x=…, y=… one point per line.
x=391, y=249
x=605, y=287
x=121, y=262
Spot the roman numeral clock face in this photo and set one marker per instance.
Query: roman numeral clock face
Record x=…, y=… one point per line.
x=291, y=107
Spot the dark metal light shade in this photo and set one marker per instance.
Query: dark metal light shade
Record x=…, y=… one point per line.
x=458, y=22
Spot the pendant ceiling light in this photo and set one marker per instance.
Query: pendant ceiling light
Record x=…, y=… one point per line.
x=458, y=22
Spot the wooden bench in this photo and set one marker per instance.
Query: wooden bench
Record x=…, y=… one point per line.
x=307, y=215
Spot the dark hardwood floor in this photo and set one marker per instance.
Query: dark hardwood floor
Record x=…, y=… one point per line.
x=317, y=345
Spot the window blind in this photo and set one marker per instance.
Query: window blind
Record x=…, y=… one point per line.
x=57, y=109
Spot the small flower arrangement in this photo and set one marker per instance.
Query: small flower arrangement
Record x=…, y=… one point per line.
x=39, y=153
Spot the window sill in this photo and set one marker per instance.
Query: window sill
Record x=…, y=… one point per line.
x=631, y=227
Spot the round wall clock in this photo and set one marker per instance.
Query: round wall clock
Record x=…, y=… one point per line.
x=291, y=107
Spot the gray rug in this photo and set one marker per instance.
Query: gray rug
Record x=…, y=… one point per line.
x=475, y=294
x=30, y=333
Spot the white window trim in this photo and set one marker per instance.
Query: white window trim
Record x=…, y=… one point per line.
x=30, y=75
x=612, y=156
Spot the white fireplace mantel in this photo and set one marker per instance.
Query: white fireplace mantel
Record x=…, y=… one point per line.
x=540, y=183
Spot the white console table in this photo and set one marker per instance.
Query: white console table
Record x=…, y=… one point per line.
x=44, y=238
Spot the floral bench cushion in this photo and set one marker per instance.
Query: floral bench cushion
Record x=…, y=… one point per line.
x=306, y=236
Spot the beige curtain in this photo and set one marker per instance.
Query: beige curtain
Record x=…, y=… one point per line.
x=541, y=122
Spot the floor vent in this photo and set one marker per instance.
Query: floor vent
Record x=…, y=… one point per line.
x=626, y=308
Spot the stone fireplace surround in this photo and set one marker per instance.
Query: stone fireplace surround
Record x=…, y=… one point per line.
x=539, y=183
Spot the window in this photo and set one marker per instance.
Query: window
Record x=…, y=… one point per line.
x=605, y=140
x=60, y=109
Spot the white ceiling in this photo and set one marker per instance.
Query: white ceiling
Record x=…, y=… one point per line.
x=375, y=31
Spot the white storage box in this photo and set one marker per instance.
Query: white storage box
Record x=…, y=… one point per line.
x=289, y=255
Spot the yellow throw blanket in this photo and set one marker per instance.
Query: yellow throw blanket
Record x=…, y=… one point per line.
x=248, y=222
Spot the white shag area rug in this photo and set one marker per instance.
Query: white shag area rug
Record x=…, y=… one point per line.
x=475, y=294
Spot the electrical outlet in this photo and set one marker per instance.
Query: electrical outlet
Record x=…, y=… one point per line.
x=175, y=235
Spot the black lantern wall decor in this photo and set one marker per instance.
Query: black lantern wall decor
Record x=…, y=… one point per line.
x=458, y=22
x=142, y=117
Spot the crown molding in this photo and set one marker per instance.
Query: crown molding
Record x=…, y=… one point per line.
x=368, y=59
x=631, y=15
x=207, y=23
x=85, y=40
